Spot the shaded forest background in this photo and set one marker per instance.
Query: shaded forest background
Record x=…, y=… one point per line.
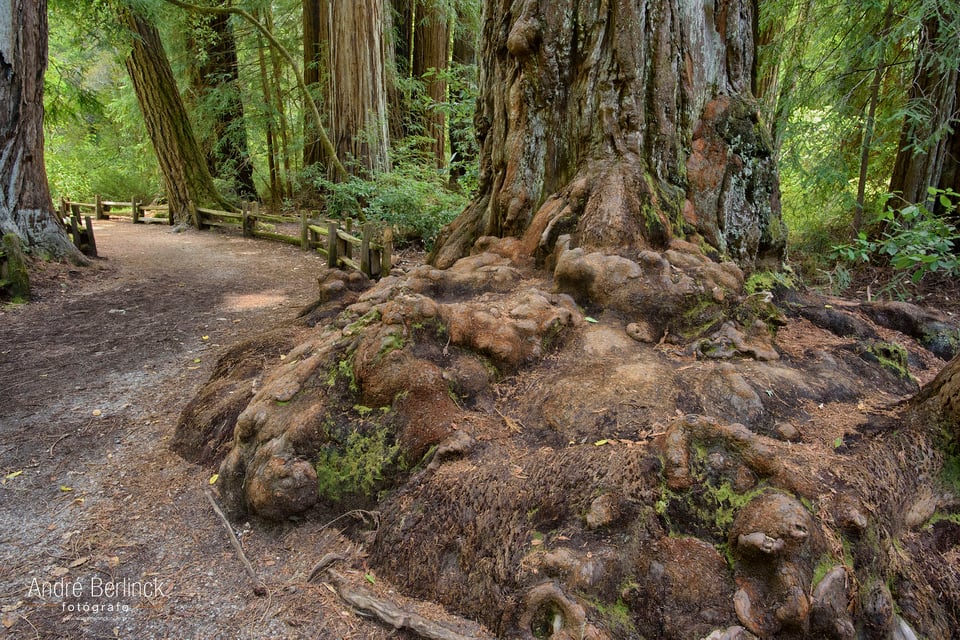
x=860, y=100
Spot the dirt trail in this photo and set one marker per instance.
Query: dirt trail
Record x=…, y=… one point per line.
x=93, y=375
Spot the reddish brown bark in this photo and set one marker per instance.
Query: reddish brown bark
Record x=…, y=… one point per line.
x=431, y=50
x=25, y=205
x=356, y=91
x=624, y=124
x=184, y=167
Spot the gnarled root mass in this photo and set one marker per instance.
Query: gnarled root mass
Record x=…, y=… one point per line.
x=627, y=447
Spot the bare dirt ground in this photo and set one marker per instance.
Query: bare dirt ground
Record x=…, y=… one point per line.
x=104, y=532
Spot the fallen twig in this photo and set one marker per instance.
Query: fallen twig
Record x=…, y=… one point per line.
x=61, y=438
x=259, y=588
x=390, y=613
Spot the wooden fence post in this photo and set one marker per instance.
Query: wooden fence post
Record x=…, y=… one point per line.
x=99, y=210
x=333, y=243
x=386, y=253
x=135, y=206
x=366, y=236
x=75, y=228
x=304, y=239
x=245, y=219
x=91, y=242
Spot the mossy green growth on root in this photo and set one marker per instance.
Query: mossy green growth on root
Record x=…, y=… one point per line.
x=358, y=466
x=891, y=356
x=768, y=281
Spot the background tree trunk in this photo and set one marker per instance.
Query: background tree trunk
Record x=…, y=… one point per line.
x=929, y=151
x=225, y=145
x=312, y=60
x=398, y=66
x=280, y=109
x=462, y=145
x=626, y=124
x=26, y=208
x=431, y=50
x=181, y=161
x=356, y=87
x=276, y=185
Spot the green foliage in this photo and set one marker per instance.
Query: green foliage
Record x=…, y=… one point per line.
x=359, y=466
x=819, y=62
x=915, y=242
x=412, y=197
x=95, y=141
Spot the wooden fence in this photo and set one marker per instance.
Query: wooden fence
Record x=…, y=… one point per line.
x=370, y=253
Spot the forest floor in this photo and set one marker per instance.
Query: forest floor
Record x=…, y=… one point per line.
x=104, y=532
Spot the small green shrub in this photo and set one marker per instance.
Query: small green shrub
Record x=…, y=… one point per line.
x=412, y=198
x=915, y=241
x=359, y=466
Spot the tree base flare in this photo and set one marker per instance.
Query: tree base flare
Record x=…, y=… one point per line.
x=659, y=448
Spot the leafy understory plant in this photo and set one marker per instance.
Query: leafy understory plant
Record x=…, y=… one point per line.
x=915, y=240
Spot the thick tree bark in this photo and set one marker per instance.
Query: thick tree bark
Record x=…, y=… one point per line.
x=26, y=208
x=929, y=150
x=181, y=161
x=356, y=88
x=228, y=156
x=625, y=123
x=431, y=50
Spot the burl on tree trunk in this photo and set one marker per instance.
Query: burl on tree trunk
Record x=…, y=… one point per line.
x=624, y=124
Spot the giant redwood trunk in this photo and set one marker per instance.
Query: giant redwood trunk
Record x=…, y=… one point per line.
x=929, y=150
x=356, y=92
x=25, y=205
x=182, y=162
x=624, y=123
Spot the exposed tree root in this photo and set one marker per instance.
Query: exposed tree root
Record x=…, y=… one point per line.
x=397, y=617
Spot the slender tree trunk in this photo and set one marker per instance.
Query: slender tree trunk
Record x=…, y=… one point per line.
x=228, y=155
x=357, y=86
x=624, y=124
x=930, y=139
x=276, y=186
x=312, y=68
x=26, y=208
x=181, y=160
x=431, y=51
x=868, y=125
x=279, y=105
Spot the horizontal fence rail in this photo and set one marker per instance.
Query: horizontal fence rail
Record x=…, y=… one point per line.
x=370, y=252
